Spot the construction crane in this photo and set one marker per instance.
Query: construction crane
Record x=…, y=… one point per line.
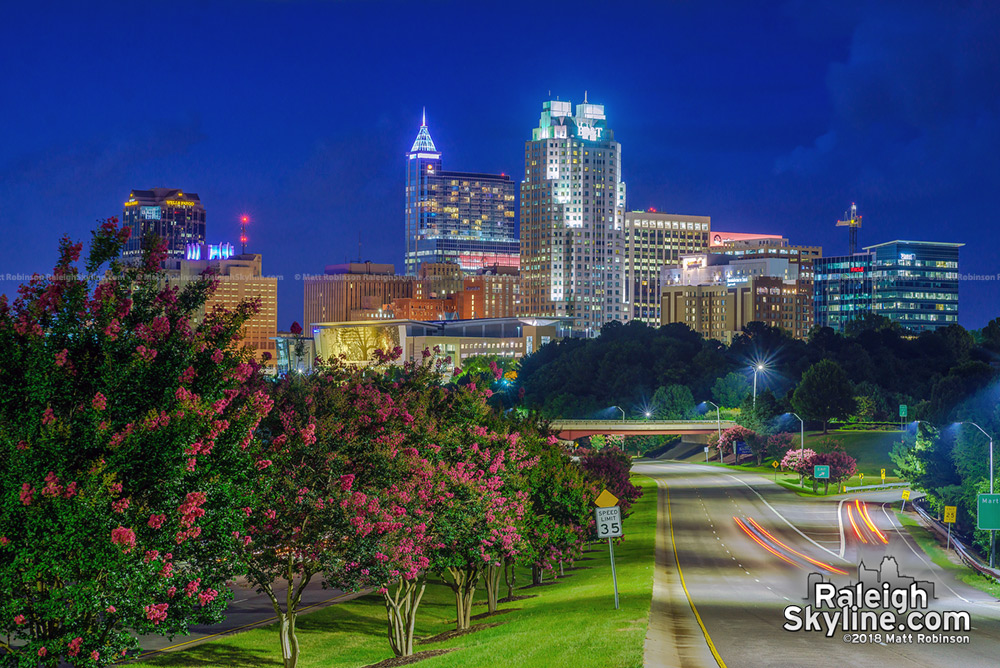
x=852, y=223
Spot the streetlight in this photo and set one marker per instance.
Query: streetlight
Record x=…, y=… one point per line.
x=718, y=417
x=802, y=446
x=757, y=367
x=622, y=410
x=648, y=415
x=992, y=532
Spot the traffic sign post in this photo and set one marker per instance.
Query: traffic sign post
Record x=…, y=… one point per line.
x=906, y=496
x=609, y=525
x=902, y=414
x=949, y=518
x=883, y=476
x=706, y=453
x=775, y=465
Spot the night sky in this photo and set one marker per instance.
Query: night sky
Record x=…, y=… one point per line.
x=768, y=118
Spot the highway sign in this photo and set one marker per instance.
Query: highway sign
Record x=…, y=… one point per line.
x=605, y=500
x=902, y=410
x=774, y=464
x=906, y=495
x=949, y=514
x=821, y=472
x=883, y=473
x=988, y=511
x=742, y=448
x=609, y=522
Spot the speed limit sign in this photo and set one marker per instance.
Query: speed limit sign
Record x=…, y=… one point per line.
x=609, y=522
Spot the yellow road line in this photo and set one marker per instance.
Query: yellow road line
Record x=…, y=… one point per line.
x=233, y=630
x=708, y=638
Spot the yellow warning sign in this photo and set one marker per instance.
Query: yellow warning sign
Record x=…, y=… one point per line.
x=949, y=514
x=906, y=495
x=774, y=464
x=606, y=499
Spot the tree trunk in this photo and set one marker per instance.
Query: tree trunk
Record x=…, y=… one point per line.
x=561, y=574
x=401, y=610
x=463, y=585
x=509, y=576
x=814, y=486
x=289, y=641
x=492, y=585
x=536, y=574
x=825, y=422
x=826, y=488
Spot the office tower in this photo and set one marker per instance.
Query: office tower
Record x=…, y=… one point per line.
x=173, y=215
x=914, y=283
x=572, y=214
x=716, y=295
x=461, y=217
x=652, y=240
x=240, y=278
x=346, y=288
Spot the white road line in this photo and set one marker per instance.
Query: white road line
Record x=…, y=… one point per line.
x=840, y=521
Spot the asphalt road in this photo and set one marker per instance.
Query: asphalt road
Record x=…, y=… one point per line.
x=247, y=609
x=735, y=550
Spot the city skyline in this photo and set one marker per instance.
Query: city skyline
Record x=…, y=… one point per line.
x=790, y=115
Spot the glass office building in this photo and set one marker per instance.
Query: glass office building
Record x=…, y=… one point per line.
x=461, y=217
x=171, y=214
x=913, y=283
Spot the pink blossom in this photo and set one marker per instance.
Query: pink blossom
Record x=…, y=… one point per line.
x=151, y=555
x=111, y=608
x=61, y=357
x=70, y=491
x=95, y=655
x=74, y=646
x=27, y=494
x=156, y=521
x=99, y=402
x=207, y=596
x=217, y=356
x=124, y=537
x=263, y=464
x=4, y=541
x=120, y=506
x=52, y=486
x=192, y=587
x=157, y=612
x=49, y=416
x=171, y=591
x=115, y=488
x=42, y=651
x=20, y=619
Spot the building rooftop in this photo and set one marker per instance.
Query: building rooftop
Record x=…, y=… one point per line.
x=916, y=243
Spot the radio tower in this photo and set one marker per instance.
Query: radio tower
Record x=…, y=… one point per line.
x=244, y=219
x=852, y=223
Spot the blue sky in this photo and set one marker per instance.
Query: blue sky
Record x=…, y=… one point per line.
x=768, y=117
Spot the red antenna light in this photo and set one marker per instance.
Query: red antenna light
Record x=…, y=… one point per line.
x=244, y=219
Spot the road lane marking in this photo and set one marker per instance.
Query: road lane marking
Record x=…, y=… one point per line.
x=677, y=561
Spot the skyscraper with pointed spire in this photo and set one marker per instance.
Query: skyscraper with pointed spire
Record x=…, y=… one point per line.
x=466, y=218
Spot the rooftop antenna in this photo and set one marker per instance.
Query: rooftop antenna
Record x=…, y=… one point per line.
x=359, y=245
x=853, y=224
x=423, y=119
x=585, y=97
x=244, y=219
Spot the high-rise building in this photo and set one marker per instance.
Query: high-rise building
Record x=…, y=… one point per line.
x=717, y=295
x=652, y=240
x=461, y=217
x=572, y=214
x=914, y=283
x=345, y=288
x=240, y=278
x=171, y=214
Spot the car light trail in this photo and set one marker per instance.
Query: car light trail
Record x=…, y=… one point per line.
x=863, y=512
x=832, y=569
x=857, y=533
x=765, y=545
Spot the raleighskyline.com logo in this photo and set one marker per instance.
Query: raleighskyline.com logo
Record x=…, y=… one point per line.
x=882, y=607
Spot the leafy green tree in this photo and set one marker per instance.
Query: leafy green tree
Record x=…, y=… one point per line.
x=761, y=416
x=730, y=390
x=824, y=394
x=124, y=428
x=672, y=402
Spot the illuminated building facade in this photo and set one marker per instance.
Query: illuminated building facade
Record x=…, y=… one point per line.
x=171, y=214
x=346, y=288
x=240, y=278
x=459, y=217
x=572, y=215
x=653, y=240
x=717, y=295
x=913, y=283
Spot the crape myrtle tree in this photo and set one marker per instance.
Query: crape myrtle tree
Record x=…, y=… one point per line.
x=794, y=459
x=609, y=469
x=741, y=434
x=345, y=492
x=124, y=431
x=842, y=467
x=479, y=469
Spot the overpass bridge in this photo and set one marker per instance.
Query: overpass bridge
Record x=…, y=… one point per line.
x=573, y=429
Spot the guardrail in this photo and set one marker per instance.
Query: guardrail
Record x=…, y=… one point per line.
x=964, y=553
x=866, y=488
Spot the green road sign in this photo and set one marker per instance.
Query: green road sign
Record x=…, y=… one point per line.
x=821, y=472
x=988, y=511
x=902, y=410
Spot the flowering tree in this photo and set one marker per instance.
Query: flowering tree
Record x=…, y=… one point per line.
x=741, y=434
x=609, y=468
x=842, y=467
x=124, y=426
x=795, y=460
x=478, y=525
x=345, y=494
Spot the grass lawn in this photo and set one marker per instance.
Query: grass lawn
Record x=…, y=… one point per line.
x=572, y=622
x=929, y=543
x=870, y=448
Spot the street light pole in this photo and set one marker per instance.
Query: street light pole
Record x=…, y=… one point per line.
x=802, y=445
x=622, y=410
x=756, y=368
x=718, y=418
x=992, y=532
